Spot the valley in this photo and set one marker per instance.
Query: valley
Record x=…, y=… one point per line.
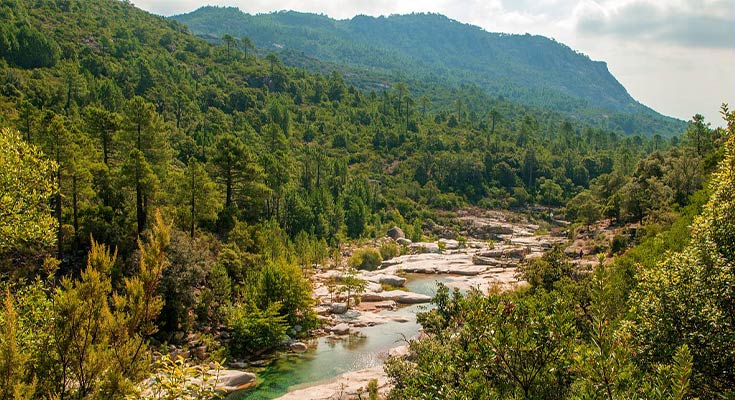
x=258, y=206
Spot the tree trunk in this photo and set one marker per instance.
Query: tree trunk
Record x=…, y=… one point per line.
x=193, y=187
x=138, y=141
x=59, y=233
x=75, y=209
x=228, y=188
x=139, y=209
x=318, y=173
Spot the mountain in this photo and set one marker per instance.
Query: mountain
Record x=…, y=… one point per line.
x=111, y=91
x=533, y=70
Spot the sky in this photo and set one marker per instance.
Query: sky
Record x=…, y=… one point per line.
x=675, y=56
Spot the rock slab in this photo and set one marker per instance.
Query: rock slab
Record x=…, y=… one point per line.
x=347, y=385
x=231, y=380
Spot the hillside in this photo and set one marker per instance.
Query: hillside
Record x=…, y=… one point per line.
x=167, y=203
x=532, y=70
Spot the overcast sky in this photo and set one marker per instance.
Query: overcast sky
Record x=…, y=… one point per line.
x=675, y=56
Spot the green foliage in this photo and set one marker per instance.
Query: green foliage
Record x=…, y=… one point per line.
x=584, y=208
x=372, y=388
x=389, y=249
x=264, y=165
x=26, y=339
x=191, y=263
x=310, y=250
x=85, y=354
x=100, y=345
x=281, y=283
x=605, y=361
x=544, y=272
x=197, y=197
x=687, y=298
x=216, y=297
x=356, y=217
x=27, y=185
x=28, y=48
x=366, y=258
x=83, y=338
x=176, y=379
x=491, y=346
x=551, y=193
x=254, y=330
x=352, y=285
x=370, y=51
x=13, y=363
x=619, y=244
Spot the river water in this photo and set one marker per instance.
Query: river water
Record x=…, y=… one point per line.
x=328, y=358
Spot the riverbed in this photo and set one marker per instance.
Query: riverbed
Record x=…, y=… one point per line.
x=328, y=358
x=333, y=361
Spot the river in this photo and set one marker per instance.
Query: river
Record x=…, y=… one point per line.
x=328, y=358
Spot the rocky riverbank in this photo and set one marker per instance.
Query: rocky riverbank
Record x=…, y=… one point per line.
x=508, y=240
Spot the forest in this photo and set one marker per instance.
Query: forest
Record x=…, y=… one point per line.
x=155, y=185
x=432, y=49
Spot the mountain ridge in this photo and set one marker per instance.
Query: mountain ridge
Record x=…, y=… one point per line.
x=531, y=69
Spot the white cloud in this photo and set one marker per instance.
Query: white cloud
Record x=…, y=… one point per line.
x=677, y=56
x=676, y=22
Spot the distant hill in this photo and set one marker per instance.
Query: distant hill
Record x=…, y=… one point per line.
x=532, y=70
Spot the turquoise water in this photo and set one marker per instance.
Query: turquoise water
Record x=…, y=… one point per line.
x=328, y=358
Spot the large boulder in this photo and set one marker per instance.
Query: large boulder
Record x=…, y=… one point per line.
x=482, y=260
x=399, y=296
x=396, y=233
x=230, y=380
x=340, y=329
x=482, y=228
x=338, y=308
x=370, y=297
x=402, y=297
x=400, y=351
x=298, y=347
x=392, y=280
x=386, y=279
x=513, y=252
x=494, y=262
x=404, y=241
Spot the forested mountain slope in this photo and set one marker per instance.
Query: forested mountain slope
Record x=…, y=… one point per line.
x=128, y=104
x=533, y=70
x=157, y=190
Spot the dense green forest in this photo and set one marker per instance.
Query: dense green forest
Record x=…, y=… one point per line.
x=653, y=323
x=432, y=48
x=155, y=185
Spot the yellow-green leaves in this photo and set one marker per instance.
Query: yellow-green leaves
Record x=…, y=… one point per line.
x=25, y=187
x=177, y=380
x=688, y=298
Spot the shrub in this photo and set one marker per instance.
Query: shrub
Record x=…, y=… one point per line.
x=254, y=330
x=366, y=259
x=545, y=271
x=389, y=250
x=176, y=379
x=619, y=244
x=372, y=388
